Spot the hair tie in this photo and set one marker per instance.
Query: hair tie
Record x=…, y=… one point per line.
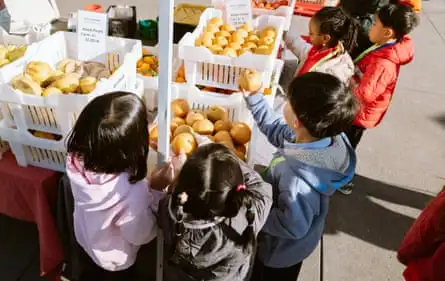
x=241, y=187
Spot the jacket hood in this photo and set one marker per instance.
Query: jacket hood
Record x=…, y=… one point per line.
x=400, y=53
x=95, y=191
x=326, y=165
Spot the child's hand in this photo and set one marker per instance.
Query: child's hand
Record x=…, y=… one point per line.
x=162, y=177
x=202, y=140
x=178, y=160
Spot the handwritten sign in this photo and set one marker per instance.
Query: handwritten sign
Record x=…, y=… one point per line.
x=238, y=12
x=92, y=30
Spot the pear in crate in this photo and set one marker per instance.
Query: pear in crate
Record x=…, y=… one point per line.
x=250, y=80
x=218, y=21
x=54, y=77
x=193, y=116
x=3, y=52
x=222, y=136
x=203, y=127
x=87, y=84
x=240, y=133
x=4, y=62
x=223, y=125
x=50, y=91
x=185, y=142
x=184, y=128
x=68, y=83
x=180, y=108
x=39, y=71
x=216, y=112
x=16, y=53
x=26, y=85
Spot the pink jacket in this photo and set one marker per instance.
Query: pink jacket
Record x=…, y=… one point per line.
x=112, y=218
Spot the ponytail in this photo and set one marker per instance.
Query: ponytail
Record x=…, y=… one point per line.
x=179, y=225
x=335, y=22
x=350, y=34
x=238, y=198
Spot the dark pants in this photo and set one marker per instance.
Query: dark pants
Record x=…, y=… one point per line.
x=264, y=273
x=144, y=268
x=354, y=134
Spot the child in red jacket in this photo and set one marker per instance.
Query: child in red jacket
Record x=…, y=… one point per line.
x=423, y=249
x=377, y=68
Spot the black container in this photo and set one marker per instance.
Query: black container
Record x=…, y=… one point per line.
x=122, y=26
x=180, y=29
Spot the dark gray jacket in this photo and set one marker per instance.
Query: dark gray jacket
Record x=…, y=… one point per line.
x=207, y=250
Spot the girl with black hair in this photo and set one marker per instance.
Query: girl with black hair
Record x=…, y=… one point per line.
x=332, y=34
x=114, y=205
x=212, y=217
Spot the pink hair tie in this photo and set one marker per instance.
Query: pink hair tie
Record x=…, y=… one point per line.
x=241, y=187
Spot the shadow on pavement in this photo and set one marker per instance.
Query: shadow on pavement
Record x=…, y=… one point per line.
x=360, y=217
x=440, y=119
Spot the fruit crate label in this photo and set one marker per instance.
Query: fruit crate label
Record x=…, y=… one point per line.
x=92, y=30
x=238, y=12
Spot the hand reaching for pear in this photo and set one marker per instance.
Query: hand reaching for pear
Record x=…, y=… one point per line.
x=250, y=82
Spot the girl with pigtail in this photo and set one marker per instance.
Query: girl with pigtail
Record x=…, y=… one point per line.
x=212, y=216
x=332, y=35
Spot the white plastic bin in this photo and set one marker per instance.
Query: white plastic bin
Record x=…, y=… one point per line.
x=57, y=113
x=202, y=67
x=283, y=11
x=49, y=154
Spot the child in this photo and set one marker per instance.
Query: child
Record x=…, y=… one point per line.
x=211, y=219
x=115, y=207
x=378, y=67
x=331, y=35
x=313, y=160
x=423, y=249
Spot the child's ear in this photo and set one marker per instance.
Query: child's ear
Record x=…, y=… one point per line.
x=296, y=124
x=326, y=38
x=388, y=33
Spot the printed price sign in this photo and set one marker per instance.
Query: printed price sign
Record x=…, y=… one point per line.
x=238, y=12
x=92, y=30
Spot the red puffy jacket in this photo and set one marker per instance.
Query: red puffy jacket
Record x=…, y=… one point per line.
x=423, y=248
x=377, y=77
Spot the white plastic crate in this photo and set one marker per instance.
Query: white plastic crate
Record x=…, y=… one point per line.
x=283, y=11
x=200, y=100
x=202, y=67
x=57, y=113
x=49, y=154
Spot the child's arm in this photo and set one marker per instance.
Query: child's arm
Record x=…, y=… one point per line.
x=138, y=224
x=297, y=45
x=270, y=124
x=292, y=216
x=262, y=205
x=374, y=82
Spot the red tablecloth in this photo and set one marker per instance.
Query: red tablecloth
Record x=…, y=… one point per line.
x=30, y=194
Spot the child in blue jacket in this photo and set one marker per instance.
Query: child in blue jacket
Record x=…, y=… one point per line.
x=314, y=159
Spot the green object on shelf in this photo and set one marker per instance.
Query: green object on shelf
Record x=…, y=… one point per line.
x=149, y=29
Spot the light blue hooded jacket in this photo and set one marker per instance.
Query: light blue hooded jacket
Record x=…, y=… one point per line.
x=303, y=179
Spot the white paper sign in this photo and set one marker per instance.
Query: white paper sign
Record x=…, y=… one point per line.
x=92, y=31
x=238, y=12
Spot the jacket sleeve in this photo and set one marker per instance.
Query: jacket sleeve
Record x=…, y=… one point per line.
x=292, y=216
x=374, y=82
x=297, y=45
x=262, y=206
x=138, y=224
x=270, y=124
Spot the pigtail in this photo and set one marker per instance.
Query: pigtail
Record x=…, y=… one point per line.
x=248, y=237
x=351, y=32
x=238, y=198
x=179, y=225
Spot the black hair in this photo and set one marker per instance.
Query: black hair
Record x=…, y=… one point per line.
x=322, y=103
x=211, y=184
x=402, y=19
x=335, y=22
x=111, y=136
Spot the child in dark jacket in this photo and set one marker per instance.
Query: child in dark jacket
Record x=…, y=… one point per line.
x=423, y=249
x=313, y=160
x=212, y=217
